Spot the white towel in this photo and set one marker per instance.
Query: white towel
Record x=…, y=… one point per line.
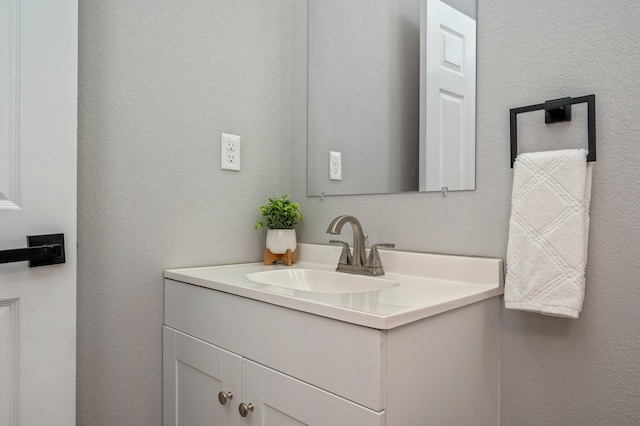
x=548, y=233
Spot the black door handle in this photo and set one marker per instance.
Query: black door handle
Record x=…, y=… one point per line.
x=42, y=250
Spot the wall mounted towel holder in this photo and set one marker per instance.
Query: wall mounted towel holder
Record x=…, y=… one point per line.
x=556, y=111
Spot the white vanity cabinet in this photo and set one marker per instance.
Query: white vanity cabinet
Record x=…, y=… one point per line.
x=196, y=372
x=297, y=368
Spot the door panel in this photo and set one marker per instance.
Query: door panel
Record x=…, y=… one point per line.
x=282, y=400
x=271, y=416
x=8, y=105
x=38, y=128
x=8, y=361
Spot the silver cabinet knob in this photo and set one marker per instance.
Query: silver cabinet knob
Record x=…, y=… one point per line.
x=244, y=409
x=224, y=397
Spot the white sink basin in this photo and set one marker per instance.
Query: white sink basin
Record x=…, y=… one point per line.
x=318, y=281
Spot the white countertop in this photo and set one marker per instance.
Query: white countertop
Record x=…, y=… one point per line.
x=428, y=284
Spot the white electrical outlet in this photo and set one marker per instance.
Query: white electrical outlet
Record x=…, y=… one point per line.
x=229, y=152
x=335, y=165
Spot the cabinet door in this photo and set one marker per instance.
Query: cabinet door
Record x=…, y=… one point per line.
x=195, y=372
x=280, y=400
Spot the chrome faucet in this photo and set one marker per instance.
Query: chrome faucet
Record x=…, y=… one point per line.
x=356, y=263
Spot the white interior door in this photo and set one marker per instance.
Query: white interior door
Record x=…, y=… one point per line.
x=447, y=98
x=38, y=122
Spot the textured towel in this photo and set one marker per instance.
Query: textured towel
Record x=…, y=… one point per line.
x=548, y=233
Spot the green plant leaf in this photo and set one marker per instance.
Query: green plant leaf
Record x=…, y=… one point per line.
x=279, y=213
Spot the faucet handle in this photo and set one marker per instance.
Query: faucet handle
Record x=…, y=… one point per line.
x=374, y=256
x=384, y=245
x=345, y=256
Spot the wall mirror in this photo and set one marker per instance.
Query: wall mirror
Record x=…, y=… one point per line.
x=391, y=96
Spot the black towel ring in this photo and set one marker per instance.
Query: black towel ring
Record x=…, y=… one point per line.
x=556, y=111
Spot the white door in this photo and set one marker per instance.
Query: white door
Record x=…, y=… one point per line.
x=38, y=122
x=447, y=98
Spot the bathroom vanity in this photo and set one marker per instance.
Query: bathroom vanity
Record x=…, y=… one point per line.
x=251, y=344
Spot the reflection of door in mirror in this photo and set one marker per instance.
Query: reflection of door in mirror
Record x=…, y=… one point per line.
x=447, y=102
x=365, y=97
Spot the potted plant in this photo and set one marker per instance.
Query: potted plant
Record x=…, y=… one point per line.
x=280, y=215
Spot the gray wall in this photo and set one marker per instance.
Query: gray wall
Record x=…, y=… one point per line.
x=364, y=95
x=160, y=80
x=553, y=371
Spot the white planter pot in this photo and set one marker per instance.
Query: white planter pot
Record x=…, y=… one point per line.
x=281, y=240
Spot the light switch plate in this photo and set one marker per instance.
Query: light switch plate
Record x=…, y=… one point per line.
x=229, y=152
x=335, y=165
